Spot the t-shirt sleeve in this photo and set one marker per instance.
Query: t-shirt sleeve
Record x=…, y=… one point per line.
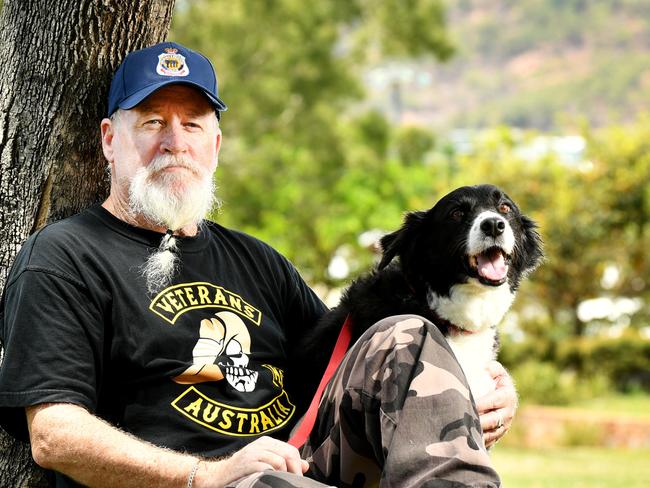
x=304, y=307
x=304, y=310
x=52, y=336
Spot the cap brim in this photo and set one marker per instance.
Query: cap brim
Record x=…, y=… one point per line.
x=140, y=95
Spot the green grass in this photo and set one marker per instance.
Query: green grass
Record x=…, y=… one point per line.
x=572, y=467
x=578, y=467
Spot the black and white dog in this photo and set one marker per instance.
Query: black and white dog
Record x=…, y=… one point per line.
x=460, y=264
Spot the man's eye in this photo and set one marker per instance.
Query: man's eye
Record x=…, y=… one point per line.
x=192, y=125
x=153, y=122
x=504, y=208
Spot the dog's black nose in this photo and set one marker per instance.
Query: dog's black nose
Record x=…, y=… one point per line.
x=493, y=226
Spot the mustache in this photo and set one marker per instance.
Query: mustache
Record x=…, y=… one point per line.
x=160, y=163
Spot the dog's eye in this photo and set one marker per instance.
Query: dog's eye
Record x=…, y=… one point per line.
x=504, y=208
x=457, y=215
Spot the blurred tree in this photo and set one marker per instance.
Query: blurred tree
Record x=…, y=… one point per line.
x=306, y=168
x=412, y=144
x=592, y=214
x=621, y=156
x=287, y=72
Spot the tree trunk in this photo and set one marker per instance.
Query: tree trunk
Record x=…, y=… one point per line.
x=56, y=63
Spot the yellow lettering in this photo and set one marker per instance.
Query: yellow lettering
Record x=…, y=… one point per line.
x=278, y=375
x=284, y=409
x=204, y=294
x=220, y=298
x=241, y=416
x=172, y=300
x=255, y=424
x=235, y=302
x=206, y=413
x=171, y=303
x=270, y=414
x=231, y=420
x=179, y=294
x=249, y=311
x=194, y=407
x=266, y=421
x=278, y=413
x=190, y=296
x=164, y=305
x=226, y=423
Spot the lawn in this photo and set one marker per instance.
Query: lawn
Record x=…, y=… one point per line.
x=572, y=467
x=562, y=466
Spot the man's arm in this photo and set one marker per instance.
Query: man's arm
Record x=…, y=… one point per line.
x=68, y=439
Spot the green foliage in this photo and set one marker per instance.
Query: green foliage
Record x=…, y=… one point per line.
x=547, y=383
x=543, y=384
x=287, y=72
x=591, y=215
x=307, y=169
x=624, y=360
x=403, y=28
x=412, y=144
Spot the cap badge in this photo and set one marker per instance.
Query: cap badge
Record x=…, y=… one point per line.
x=170, y=63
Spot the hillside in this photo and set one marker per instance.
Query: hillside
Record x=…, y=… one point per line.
x=530, y=63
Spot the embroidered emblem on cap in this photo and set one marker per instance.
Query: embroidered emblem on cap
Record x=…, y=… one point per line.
x=170, y=63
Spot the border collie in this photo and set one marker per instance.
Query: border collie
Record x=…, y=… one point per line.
x=458, y=264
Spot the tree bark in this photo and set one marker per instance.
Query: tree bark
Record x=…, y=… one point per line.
x=56, y=63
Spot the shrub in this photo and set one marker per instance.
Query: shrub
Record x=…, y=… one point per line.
x=543, y=383
x=624, y=360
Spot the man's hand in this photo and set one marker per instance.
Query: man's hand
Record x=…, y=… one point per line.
x=260, y=455
x=497, y=408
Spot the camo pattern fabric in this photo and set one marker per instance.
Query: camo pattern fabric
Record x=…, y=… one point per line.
x=397, y=413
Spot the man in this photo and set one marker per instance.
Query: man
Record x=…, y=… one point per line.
x=149, y=348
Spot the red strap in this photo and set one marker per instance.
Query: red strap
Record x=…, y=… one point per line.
x=308, y=421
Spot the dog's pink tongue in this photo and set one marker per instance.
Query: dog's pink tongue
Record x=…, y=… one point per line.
x=492, y=267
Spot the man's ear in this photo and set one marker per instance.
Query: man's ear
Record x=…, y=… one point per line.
x=397, y=242
x=108, y=131
x=218, y=144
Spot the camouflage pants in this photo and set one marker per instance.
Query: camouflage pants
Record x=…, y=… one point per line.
x=398, y=414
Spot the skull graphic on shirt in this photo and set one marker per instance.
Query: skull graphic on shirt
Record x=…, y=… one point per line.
x=222, y=350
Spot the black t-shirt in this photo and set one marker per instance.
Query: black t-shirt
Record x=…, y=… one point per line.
x=78, y=326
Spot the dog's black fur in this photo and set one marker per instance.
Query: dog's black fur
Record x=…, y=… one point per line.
x=432, y=247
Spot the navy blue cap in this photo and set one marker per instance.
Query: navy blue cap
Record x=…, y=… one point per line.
x=147, y=70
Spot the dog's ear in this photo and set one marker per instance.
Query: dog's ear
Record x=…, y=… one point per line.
x=396, y=242
x=532, y=243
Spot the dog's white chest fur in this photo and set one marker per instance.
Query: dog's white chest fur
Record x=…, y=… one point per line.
x=473, y=306
x=476, y=309
x=474, y=351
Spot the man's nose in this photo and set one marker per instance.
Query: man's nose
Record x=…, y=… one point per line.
x=174, y=139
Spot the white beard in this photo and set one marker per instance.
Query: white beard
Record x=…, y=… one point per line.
x=170, y=200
